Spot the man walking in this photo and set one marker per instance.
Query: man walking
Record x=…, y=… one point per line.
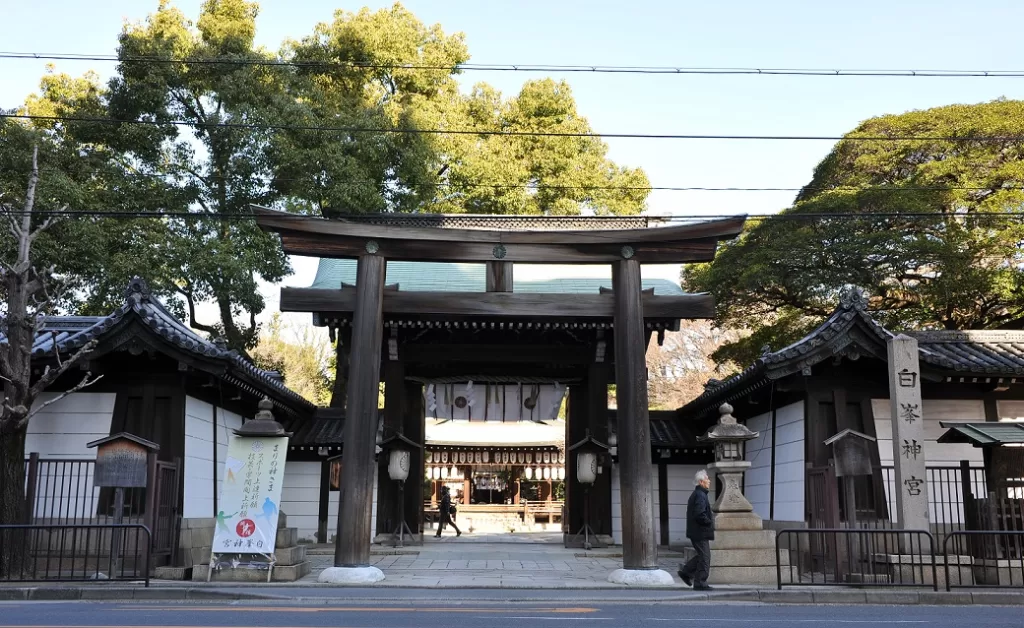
x=700, y=529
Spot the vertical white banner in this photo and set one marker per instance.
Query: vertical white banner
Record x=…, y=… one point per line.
x=251, y=495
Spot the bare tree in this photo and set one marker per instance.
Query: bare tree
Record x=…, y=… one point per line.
x=679, y=368
x=28, y=299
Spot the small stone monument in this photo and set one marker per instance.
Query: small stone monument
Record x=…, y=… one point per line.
x=742, y=552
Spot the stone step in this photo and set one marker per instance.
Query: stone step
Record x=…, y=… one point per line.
x=287, y=537
x=744, y=575
x=743, y=539
x=290, y=573
x=744, y=557
x=290, y=555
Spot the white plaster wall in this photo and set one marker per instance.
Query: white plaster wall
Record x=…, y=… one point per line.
x=789, y=463
x=1010, y=410
x=758, y=453
x=61, y=430
x=300, y=500
x=300, y=497
x=680, y=485
x=199, y=446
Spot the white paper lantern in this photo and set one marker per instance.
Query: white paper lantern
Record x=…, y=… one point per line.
x=547, y=473
x=528, y=471
x=487, y=456
x=547, y=457
x=536, y=472
x=444, y=473
x=436, y=472
x=561, y=473
x=454, y=472
x=398, y=465
x=586, y=467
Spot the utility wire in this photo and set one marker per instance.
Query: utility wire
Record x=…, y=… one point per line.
x=547, y=186
x=520, y=67
x=676, y=218
x=479, y=132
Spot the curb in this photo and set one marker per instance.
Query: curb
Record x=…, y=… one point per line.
x=762, y=596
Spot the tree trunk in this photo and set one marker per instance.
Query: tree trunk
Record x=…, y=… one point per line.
x=13, y=546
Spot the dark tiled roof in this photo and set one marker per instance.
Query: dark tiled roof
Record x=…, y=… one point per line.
x=670, y=432
x=70, y=333
x=318, y=432
x=976, y=352
x=505, y=222
x=850, y=331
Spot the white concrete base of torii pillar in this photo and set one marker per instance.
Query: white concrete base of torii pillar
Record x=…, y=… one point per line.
x=641, y=577
x=350, y=575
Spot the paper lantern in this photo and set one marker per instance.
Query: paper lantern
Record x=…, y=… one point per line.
x=586, y=467
x=547, y=473
x=444, y=473
x=444, y=457
x=561, y=473
x=398, y=465
x=454, y=472
x=528, y=472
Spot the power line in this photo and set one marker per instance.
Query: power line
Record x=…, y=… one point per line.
x=506, y=133
x=676, y=218
x=524, y=67
x=547, y=186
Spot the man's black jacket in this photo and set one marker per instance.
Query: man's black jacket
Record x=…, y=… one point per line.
x=700, y=523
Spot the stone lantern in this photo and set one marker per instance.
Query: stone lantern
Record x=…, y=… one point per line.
x=728, y=437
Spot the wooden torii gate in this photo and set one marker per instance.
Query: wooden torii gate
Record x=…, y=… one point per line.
x=374, y=244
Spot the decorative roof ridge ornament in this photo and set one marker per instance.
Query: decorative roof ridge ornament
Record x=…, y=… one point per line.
x=137, y=290
x=852, y=298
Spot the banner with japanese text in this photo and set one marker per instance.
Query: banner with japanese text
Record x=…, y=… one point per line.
x=248, y=509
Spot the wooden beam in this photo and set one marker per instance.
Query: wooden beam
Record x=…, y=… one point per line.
x=499, y=276
x=533, y=305
x=453, y=250
x=639, y=545
x=506, y=354
x=355, y=505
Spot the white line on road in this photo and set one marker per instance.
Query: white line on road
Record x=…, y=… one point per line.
x=550, y=618
x=796, y=621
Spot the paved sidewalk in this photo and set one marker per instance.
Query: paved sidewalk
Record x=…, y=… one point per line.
x=532, y=560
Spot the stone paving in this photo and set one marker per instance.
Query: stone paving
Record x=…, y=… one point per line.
x=526, y=560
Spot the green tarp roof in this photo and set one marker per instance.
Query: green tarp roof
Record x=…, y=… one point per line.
x=454, y=277
x=983, y=434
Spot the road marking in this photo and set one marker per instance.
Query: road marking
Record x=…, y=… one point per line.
x=356, y=609
x=552, y=618
x=798, y=621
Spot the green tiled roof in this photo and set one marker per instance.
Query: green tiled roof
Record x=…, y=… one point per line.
x=983, y=434
x=452, y=277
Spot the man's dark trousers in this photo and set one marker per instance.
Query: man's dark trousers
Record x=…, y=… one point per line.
x=698, y=567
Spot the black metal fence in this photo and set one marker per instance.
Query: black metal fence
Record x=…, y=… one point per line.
x=950, y=491
x=996, y=558
x=65, y=552
x=855, y=557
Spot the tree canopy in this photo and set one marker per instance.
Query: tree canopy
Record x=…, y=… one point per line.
x=930, y=228
x=209, y=123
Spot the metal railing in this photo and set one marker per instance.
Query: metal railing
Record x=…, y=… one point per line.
x=996, y=558
x=855, y=557
x=67, y=552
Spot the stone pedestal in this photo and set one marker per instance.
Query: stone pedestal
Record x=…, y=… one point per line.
x=742, y=552
x=290, y=561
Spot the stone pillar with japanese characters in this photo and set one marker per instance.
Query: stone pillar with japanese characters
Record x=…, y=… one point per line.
x=907, y=433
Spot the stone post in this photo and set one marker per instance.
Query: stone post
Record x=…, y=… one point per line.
x=907, y=433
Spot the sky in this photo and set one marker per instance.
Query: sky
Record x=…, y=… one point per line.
x=869, y=34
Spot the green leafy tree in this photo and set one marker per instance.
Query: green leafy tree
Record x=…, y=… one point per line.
x=354, y=72
x=198, y=149
x=299, y=354
x=921, y=225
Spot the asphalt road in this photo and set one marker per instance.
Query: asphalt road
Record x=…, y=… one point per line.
x=453, y=613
